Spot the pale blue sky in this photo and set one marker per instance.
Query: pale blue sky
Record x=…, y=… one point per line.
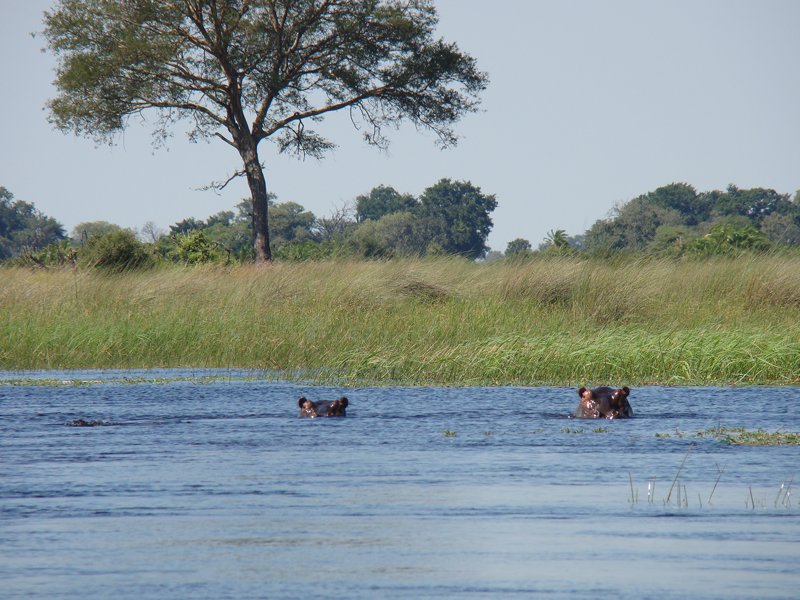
x=591, y=103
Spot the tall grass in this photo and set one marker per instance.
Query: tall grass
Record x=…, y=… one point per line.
x=556, y=321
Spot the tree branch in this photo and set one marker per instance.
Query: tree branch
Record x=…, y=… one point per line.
x=224, y=139
x=218, y=186
x=298, y=116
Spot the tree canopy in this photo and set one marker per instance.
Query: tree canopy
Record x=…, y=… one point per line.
x=381, y=201
x=252, y=70
x=23, y=227
x=457, y=214
x=83, y=231
x=518, y=247
x=675, y=218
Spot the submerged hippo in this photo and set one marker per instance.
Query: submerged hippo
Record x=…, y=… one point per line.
x=323, y=408
x=85, y=423
x=604, y=403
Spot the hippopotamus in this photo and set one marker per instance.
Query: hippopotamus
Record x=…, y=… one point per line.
x=85, y=423
x=322, y=408
x=604, y=403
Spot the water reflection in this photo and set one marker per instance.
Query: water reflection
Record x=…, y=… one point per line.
x=208, y=486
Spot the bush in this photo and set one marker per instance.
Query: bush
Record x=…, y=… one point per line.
x=305, y=250
x=729, y=238
x=194, y=248
x=57, y=254
x=115, y=251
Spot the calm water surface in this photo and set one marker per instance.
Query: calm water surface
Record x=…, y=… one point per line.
x=204, y=488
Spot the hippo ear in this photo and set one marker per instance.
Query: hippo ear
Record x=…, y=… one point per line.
x=581, y=391
x=626, y=391
x=343, y=401
x=301, y=401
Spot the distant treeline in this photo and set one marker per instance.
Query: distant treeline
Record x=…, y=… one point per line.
x=676, y=220
x=448, y=218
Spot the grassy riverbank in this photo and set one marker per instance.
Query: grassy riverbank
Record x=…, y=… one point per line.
x=445, y=321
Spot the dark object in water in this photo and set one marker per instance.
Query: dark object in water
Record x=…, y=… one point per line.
x=604, y=403
x=322, y=408
x=85, y=423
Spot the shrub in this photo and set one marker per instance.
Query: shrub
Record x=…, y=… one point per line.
x=728, y=238
x=57, y=254
x=194, y=248
x=115, y=251
x=305, y=250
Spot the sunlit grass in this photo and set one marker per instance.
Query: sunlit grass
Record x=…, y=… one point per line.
x=445, y=321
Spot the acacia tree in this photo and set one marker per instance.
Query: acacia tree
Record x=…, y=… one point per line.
x=250, y=70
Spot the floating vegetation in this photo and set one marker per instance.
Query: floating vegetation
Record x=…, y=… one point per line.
x=740, y=436
x=581, y=430
x=448, y=433
x=760, y=437
x=571, y=430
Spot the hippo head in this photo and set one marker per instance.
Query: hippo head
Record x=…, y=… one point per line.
x=323, y=408
x=604, y=402
x=337, y=408
x=85, y=423
x=307, y=408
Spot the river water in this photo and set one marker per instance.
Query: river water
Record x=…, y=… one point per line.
x=205, y=484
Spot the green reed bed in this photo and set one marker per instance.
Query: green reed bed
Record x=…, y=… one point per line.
x=444, y=321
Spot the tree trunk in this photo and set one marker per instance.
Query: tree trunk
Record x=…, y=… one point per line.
x=258, y=194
